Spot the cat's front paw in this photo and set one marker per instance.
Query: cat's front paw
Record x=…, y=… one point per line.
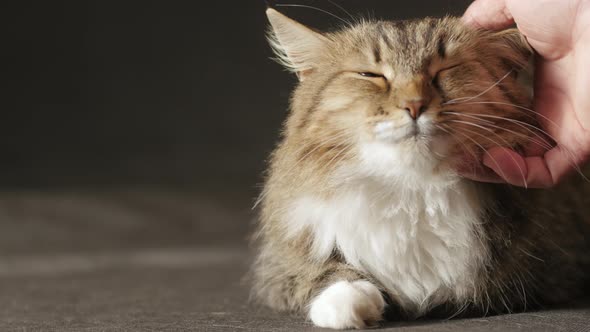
x=346, y=305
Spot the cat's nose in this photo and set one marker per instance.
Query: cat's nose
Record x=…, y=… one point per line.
x=414, y=107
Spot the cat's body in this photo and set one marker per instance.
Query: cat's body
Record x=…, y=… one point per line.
x=362, y=204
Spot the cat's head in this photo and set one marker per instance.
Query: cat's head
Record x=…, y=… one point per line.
x=403, y=98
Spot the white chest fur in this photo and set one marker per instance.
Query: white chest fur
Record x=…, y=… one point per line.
x=422, y=245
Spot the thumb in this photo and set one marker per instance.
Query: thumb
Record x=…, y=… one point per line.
x=507, y=164
x=488, y=14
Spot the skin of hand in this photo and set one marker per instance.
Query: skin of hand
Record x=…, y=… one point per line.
x=559, y=32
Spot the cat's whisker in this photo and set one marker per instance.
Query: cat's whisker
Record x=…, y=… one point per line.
x=484, y=151
x=542, y=143
x=338, y=157
x=516, y=106
x=522, y=124
x=500, y=137
x=337, y=138
x=514, y=120
x=322, y=144
x=465, y=148
x=546, y=145
x=566, y=150
x=342, y=9
x=466, y=99
x=468, y=116
x=334, y=160
x=325, y=141
x=315, y=8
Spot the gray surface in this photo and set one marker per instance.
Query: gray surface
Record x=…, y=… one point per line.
x=188, y=289
x=94, y=220
x=142, y=260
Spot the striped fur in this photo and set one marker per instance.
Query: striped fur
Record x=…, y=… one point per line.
x=509, y=249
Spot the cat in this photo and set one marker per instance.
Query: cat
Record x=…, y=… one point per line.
x=363, y=212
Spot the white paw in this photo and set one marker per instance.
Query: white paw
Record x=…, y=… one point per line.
x=346, y=305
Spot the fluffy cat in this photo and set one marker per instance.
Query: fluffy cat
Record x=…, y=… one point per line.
x=362, y=209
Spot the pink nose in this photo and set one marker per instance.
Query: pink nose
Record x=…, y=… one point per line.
x=414, y=107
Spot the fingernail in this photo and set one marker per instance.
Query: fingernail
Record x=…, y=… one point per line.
x=470, y=21
x=487, y=163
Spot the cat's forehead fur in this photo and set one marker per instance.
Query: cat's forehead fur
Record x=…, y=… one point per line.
x=406, y=46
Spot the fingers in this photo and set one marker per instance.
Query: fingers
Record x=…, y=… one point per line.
x=481, y=175
x=560, y=163
x=473, y=169
x=531, y=172
x=488, y=14
x=508, y=164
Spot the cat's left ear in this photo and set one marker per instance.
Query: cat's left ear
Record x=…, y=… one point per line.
x=297, y=47
x=519, y=55
x=517, y=49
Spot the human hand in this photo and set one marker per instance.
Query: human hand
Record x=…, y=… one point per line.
x=559, y=31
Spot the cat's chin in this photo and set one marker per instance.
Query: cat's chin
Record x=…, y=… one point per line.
x=415, y=160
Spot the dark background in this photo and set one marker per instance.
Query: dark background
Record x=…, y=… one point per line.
x=131, y=124
x=167, y=93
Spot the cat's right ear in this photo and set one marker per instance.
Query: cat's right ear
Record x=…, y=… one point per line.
x=297, y=47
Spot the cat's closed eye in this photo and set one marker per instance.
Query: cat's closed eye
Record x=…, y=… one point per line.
x=436, y=76
x=450, y=67
x=371, y=75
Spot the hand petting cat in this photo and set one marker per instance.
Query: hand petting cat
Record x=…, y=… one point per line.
x=559, y=31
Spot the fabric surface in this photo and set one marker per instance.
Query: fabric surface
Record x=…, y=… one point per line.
x=143, y=261
x=183, y=290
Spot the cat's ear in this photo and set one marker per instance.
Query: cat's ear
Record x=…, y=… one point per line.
x=519, y=55
x=518, y=51
x=297, y=47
